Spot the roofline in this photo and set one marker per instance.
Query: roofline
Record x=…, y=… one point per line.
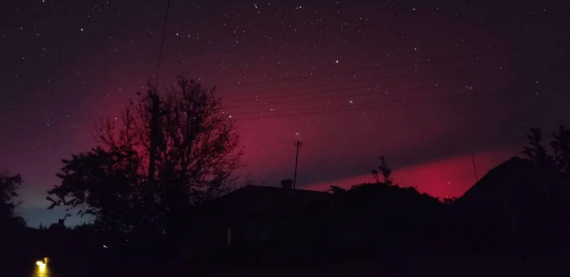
x=256, y=186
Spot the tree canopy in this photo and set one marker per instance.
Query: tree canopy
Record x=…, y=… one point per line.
x=538, y=155
x=166, y=154
x=383, y=215
x=8, y=192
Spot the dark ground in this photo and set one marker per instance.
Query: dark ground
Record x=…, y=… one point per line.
x=374, y=267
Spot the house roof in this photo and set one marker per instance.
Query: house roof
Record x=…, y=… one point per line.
x=251, y=200
x=515, y=187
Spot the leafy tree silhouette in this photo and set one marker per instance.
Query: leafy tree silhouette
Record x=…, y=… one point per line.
x=196, y=148
x=336, y=190
x=384, y=218
x=449, y=200
x=11, y=225
x=536, y=153
x=384, y=170
x=561, y=147
x=8, y=193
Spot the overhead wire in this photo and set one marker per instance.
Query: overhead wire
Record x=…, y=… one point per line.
x=441, y=60
x=122, y=103
x=410, y=102
x=369, y=105
x=368, y=87
x=374, y=105
x=354, y=95
x=268, y=140
x=361, y=69
x=316, y=109
x=162, y=43
x=265, y=136
x=453, y=58
x=352, y=71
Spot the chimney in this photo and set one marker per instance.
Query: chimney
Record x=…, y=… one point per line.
x=287, y=184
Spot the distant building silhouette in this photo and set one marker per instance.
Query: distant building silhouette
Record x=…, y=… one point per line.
x=516, y=209
x=248, y=218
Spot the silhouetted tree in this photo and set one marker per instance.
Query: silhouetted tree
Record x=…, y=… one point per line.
x=85, y=228
x=449, y=200
x=8, y=193
x=336, y=190
x=561, y=147
x=196, y=151
x=536, y=153
x=58, y=226
x=11, y=225
x=383, y=218
x=384, y=170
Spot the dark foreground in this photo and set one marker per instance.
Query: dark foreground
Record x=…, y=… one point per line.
x=370, y=267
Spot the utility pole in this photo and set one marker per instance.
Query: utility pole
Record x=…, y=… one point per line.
x=298, y=144
x=154, y=132
x=474, y=168
x=154, y=129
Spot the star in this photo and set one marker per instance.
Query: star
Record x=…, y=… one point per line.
x=280, y=71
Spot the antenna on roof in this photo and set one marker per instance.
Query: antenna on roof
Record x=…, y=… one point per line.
x=474, y=168
x=298, y=144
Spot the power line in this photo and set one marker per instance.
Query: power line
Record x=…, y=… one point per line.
x=355, y=108
x=385, y=101
x=122, y=103
x=342, y=83
x=269, y=137
x=372, y=86
x=113, y=104
x=333, y=73
x=373, y=105
x=162, y=43
x=382, y=85
x=298, y=88
x=311, y=76
x=266, y=140
x=317, y=92
x=308, y=93
x=315, y=99
x=348, y=109
x=334, y=97
x=308, y=76
x=363, y=69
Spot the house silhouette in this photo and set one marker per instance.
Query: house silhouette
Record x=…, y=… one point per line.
x=252, y=221
x=516, y=209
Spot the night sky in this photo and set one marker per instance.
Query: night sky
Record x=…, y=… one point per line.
x=423, y=83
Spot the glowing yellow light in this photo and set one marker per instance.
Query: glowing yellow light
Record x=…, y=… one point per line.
x=41, y=265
